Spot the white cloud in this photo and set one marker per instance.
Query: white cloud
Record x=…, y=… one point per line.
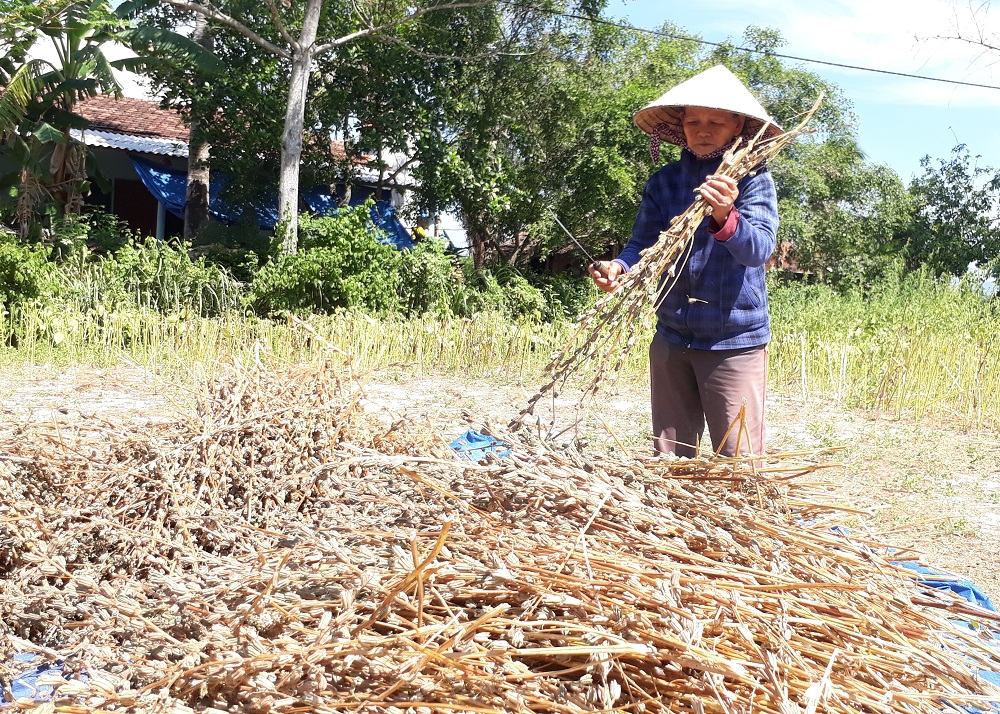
x=910, y=37
x=905, y=36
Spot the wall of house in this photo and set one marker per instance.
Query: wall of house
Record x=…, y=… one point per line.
x=124, y=195
x=118, y=190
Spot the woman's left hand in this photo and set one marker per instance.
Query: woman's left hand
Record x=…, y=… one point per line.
x=720, y=192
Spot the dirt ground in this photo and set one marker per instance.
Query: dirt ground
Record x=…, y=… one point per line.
x=934, y=488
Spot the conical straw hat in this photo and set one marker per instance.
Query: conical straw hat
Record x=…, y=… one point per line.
x=715, y=88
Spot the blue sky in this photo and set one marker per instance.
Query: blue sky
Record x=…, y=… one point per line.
x=899, y=120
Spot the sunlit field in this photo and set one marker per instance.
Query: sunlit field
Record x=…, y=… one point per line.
x=919, y=350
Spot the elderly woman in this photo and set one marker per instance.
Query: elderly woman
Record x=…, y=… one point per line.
x=709, y=354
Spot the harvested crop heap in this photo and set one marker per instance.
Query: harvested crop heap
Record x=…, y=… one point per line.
x=285, y=550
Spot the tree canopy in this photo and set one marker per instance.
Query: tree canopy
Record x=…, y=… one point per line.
x=505, y=114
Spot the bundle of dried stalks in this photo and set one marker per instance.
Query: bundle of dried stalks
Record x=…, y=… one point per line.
x=284, y=550
x=605, y=334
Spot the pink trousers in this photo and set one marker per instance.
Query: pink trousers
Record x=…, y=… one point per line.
x=691, y=387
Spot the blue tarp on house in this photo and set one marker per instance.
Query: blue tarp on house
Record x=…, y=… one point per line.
x=169, y=186
x=383, y=214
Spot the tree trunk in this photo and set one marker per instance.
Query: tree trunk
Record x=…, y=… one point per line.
x=198, y=177
x=381, y=178
x=67, y=168
x=198, y=181
x=477, y=234
x=291, y=138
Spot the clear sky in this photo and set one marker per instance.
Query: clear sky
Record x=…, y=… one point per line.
x=900, y=120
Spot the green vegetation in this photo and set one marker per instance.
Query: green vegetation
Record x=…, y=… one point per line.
x=920, y=347
x=915, y=347
x=52, y=169
x=499, y=113
x=502, y=127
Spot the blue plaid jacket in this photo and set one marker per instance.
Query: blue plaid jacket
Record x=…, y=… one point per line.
x=719, y=300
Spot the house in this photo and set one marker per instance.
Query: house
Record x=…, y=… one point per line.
x=124, y=128
x=141, y=149
x=783, y=262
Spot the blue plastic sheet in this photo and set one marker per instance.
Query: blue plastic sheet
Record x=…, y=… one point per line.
x=383, y=215
x=946, y=581
x=169, y=186
x=474, y=445
x=25, y=685
x=968, y=590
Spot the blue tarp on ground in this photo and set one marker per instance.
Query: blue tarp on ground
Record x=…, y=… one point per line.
x=25, y=685
x=974, y=595
x=946, y=581
x=475, y=445
x=169, y=187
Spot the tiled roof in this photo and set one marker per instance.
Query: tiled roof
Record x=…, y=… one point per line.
x=140, y=125
x=135, y=117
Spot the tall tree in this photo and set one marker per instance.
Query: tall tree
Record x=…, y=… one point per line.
x=556, y=132
x=957, y=218
x=546, y=128
x=52, y=163
x=299, y=35
x=197, y=195
x=841, y=216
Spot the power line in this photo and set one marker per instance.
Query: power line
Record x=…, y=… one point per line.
x=673, y=36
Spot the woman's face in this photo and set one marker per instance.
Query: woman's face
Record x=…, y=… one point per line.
x=709, y=129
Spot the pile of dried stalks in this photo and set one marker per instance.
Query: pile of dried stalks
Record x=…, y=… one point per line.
x=283, y=550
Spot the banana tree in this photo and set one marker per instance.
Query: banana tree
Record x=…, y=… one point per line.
x=52, y=174
x=18, y=33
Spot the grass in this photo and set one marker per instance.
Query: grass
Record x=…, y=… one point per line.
x=920, y=349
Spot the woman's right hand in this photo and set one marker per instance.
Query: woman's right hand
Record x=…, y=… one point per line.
x=605, y=274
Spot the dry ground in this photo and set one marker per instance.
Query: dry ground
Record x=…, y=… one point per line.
x=931, y=487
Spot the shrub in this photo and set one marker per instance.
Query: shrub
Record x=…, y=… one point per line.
x=152, y=275
x=241, y=248
x=429, y=279
x=164, y=278
x=25, y=272
x=340, y=264
x=106, y=233
x=566, y=295
x=500, y=289
x=95, y=232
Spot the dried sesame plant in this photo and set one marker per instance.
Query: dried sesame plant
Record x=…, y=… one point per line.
x=605, y=334
x=289, y=548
